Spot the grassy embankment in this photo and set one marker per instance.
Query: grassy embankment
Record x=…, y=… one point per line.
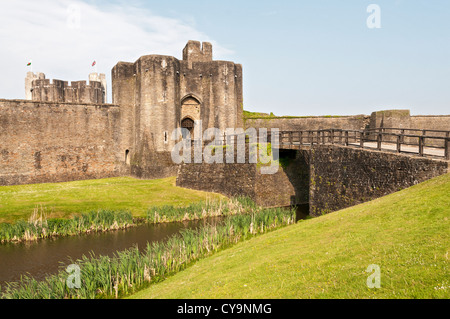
x=406, y=234
x=257, y=115
x=63, y=200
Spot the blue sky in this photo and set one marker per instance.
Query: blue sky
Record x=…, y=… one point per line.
x=314, y=57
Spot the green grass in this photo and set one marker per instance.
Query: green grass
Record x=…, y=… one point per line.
x=406, y=234
x=257, y=115
x=63, y=200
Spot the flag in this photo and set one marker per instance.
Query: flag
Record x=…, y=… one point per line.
x=29, y=63
x=93, y=63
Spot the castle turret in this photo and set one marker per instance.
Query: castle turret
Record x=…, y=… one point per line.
x=60, y=91
x=196, y=52
x=99, y=77
x=29, y=81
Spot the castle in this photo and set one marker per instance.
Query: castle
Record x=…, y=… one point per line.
x=68, y=132
x=63, y=132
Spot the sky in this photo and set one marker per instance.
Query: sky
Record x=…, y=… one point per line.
x=302, y=57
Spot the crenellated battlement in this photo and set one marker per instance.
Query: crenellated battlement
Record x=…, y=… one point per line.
x=47, y=90
x=196, y=52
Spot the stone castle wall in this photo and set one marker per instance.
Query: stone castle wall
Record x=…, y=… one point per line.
x=357, y=122
x=288, y=186
x=56, y=142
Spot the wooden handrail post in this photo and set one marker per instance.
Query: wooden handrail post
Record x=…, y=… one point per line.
x=447, y=145
x=361, y=139
x=421, y=145
x=399, y=138
x=346, y=138
x=332, y=136
x=379, y=140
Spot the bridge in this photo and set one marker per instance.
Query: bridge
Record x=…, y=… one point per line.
x=424, y=143
x=432, y=143
x=327, y=169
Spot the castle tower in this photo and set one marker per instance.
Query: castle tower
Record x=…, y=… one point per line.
x=38, y=88
x=29, y=81
x=100, y=77
x=159, y=94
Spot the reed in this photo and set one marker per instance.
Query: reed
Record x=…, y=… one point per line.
x=131, y=270
x=215, y=208
x=39, y=227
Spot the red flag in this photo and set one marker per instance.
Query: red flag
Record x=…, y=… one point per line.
x=93, y=63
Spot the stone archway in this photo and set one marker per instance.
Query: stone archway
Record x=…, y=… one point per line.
x=188, y=123
x=190, y=112
x=190, y=107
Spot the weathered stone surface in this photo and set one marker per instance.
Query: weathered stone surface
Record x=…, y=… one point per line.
x=289, y=186
x=357, y=122
x=343, y=176
x=37, y=88
x=328, y=177
x=58, y=142
x=390, y=119
x=158, y=92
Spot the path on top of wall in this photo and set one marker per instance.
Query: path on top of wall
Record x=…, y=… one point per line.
x=386, y=146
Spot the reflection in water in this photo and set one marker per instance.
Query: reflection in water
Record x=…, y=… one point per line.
x=47, y=256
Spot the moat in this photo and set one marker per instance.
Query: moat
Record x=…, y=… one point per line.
x=40, y=258
x=47, y=256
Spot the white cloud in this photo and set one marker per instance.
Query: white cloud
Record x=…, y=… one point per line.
x=63, y=45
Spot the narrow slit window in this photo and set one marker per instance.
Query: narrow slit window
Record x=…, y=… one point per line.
x=127, y=157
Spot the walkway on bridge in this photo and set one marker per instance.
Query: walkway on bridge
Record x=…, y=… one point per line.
x=431, y=143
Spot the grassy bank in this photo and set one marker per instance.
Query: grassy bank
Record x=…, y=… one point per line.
x=406, y=234
x=130, y=270
x=257, y=115
x=63, y=200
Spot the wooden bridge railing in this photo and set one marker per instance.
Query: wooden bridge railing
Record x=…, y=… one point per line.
x=378, y=136
x=378, y=139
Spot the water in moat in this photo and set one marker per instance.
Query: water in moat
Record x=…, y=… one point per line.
x=43, y=257
x=47, y=256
